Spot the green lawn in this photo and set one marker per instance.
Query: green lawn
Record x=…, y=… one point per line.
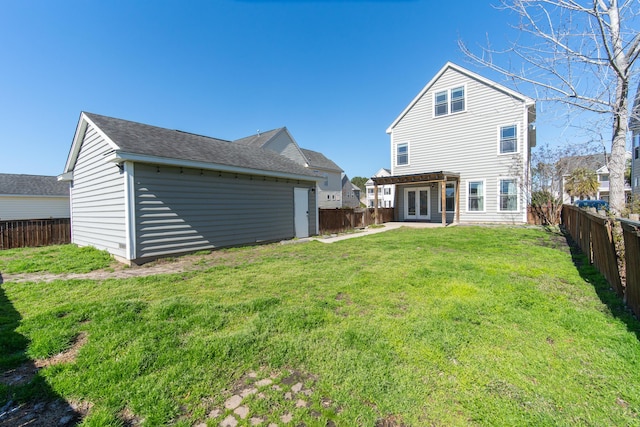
x=447, y=326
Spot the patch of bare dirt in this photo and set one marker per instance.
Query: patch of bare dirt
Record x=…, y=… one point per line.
x=44, y=414
x=57, y=412
x=182, y=264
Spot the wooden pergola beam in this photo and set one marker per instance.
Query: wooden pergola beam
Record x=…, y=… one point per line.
x=424, y=178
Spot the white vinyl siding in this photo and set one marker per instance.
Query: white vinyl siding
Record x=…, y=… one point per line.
x=188, y=210
x=33, y=207
x=465, y=143
x=97, y=198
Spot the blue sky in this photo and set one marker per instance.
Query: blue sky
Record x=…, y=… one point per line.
x=336, y=73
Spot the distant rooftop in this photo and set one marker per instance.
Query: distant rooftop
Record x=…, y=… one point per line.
x=32, y=185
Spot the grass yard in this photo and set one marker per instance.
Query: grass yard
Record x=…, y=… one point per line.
x=448, y=326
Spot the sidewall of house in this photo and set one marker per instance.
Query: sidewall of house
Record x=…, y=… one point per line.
x=33, y=207
x=98, y=198
x=181, y=210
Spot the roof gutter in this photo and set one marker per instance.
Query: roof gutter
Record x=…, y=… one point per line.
x=121, y=156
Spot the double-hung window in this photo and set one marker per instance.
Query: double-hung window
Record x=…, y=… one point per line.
x=508, y=195
x=475, y=195
x=457, y=99
x=442, y=103
x=508, y=139
x=402, y=154
x=449, y=101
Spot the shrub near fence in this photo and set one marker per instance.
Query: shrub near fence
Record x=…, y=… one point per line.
x=594, y=235
x=341, y=220
x=35, y=232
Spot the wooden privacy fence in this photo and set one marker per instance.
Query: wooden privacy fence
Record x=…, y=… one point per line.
x=34, y=232
x=594, y=235
x=341, y=220
x=631, y=233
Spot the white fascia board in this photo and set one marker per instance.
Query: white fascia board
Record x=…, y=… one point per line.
x=78, y=138
x=65, y=177
x=528, y=101
x=119, y=157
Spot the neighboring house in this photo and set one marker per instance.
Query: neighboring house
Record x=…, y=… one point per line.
x=32, y=197
x=386, y=193
x=280, y=141
x=142, y=192
x=594, y=162
x=350, y=193
x=634, y=125
x=464, y=144
x=330, y=189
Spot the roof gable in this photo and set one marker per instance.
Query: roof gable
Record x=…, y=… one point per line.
x=320, y=161
x=277, y=140
x=173, y=147
x=32, y=185
x=451, y=66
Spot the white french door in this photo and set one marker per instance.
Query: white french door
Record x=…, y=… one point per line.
x=416, y=203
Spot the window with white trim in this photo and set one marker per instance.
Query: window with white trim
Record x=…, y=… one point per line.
x=475, y=196
x=402, y=154
x=449, y=101
x=508, y=139
x=441, y=103
x=457, y=99
x=508, y=195
x=450, y=197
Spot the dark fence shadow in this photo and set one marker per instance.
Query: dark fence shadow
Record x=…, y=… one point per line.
x=603, y=289
x=25, y=397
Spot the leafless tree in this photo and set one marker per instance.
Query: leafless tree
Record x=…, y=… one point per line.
x=580, y=53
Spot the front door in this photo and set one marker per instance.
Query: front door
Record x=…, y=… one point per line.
x=301, y=212
x=416, y=203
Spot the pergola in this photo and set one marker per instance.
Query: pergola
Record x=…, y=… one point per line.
x=423, y=178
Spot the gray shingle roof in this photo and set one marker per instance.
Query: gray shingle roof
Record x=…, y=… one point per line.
x=593, y=162
x=142, y=139
x=318, y=160
x=32, y=185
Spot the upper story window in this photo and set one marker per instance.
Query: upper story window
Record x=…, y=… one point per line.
x=441, y=103
x=449, y=101
x=508, y=139
x=636, y=140
x=604, y=177
x=457, y=99
x=402, y=154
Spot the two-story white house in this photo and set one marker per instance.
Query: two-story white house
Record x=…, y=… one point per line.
x=386, y=193
x=460, y=151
